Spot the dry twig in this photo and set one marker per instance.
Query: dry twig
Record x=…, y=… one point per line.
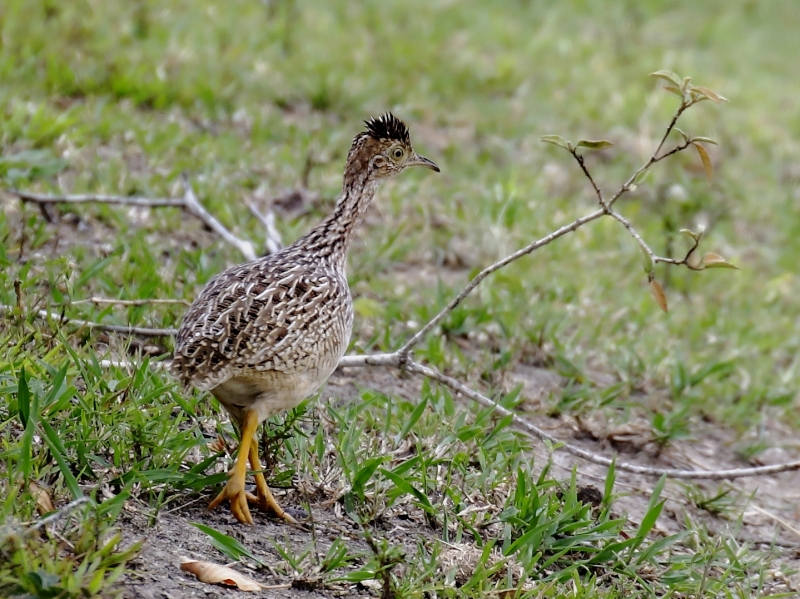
x=272, y=236
x=398, y=360
x=189, y=202
x=134, y=302
x=195, y=208
x=92, y=198
x=97, y=326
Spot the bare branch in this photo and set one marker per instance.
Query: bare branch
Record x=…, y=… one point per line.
x=40, y=198
x=597, y=192
x=189, y=202
x=97, y=326
x=396, y=359
x=134, y=302
x=194, y=207
x=476, y=280
x=272, y=238
x=605, y=209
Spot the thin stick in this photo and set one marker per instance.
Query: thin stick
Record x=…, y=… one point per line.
x=189, y=202
x=535, y=431
x=40, y=198
x=60, y=513
x=605, y=208
x=272, y=238
x=397, y=359
x=98, y=326
x=194, y=207
x=134, y=302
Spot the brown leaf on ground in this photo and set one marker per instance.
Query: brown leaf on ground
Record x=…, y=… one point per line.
x=44, y=504
x=215, y=574
x=218, y=445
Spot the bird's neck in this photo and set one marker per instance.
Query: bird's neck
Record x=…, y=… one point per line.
x=330, y=239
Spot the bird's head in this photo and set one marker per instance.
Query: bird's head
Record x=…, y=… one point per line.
x=383, y=150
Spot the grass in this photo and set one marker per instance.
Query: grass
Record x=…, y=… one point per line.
x=121, y=97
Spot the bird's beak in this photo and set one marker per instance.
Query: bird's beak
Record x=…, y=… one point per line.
x=417, y=160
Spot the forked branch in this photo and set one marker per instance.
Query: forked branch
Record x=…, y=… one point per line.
x=606, y=209
x=188, y=202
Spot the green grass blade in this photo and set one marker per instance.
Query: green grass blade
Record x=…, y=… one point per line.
x=228, y=545
x=413, y=419
x=406, y=487
x=59, y=453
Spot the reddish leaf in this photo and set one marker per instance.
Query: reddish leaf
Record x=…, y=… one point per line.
x=659, y=295
x=706, y=160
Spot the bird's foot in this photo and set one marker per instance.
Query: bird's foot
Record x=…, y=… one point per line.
x=266, y=502
x=234, y=492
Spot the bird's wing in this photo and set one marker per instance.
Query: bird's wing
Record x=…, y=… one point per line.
x=264, y=316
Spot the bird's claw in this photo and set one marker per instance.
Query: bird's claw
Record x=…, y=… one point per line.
x=234, y=492
x=266, y=502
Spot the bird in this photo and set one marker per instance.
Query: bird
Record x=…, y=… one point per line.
x=264, y=335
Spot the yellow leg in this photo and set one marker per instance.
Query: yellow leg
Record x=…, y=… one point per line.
x=265, y=500
x=234, y=488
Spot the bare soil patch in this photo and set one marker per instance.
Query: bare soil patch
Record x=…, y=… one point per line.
x=770, y=521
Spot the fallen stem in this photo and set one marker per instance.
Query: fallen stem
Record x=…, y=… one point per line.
x=397, y=360
x=57, y=515
x=534, y=431
x=193, y=206
x=189, y=202
x=133, y=302
x=40, y=198
x=97, y=326
x=605, y=208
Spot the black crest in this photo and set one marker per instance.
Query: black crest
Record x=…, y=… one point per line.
x=387, y=126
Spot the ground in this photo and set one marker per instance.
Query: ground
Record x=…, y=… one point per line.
x=413, y=491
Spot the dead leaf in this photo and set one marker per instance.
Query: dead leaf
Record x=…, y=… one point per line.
x=712, y=260
x=215, y=574
x=706, y=160
x=44, y=504
x=218, y=445
x=658, y=293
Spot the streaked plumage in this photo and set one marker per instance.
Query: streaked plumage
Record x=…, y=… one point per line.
x=264, y=335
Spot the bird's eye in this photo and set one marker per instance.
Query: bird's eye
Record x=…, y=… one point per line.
x=398, y=153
